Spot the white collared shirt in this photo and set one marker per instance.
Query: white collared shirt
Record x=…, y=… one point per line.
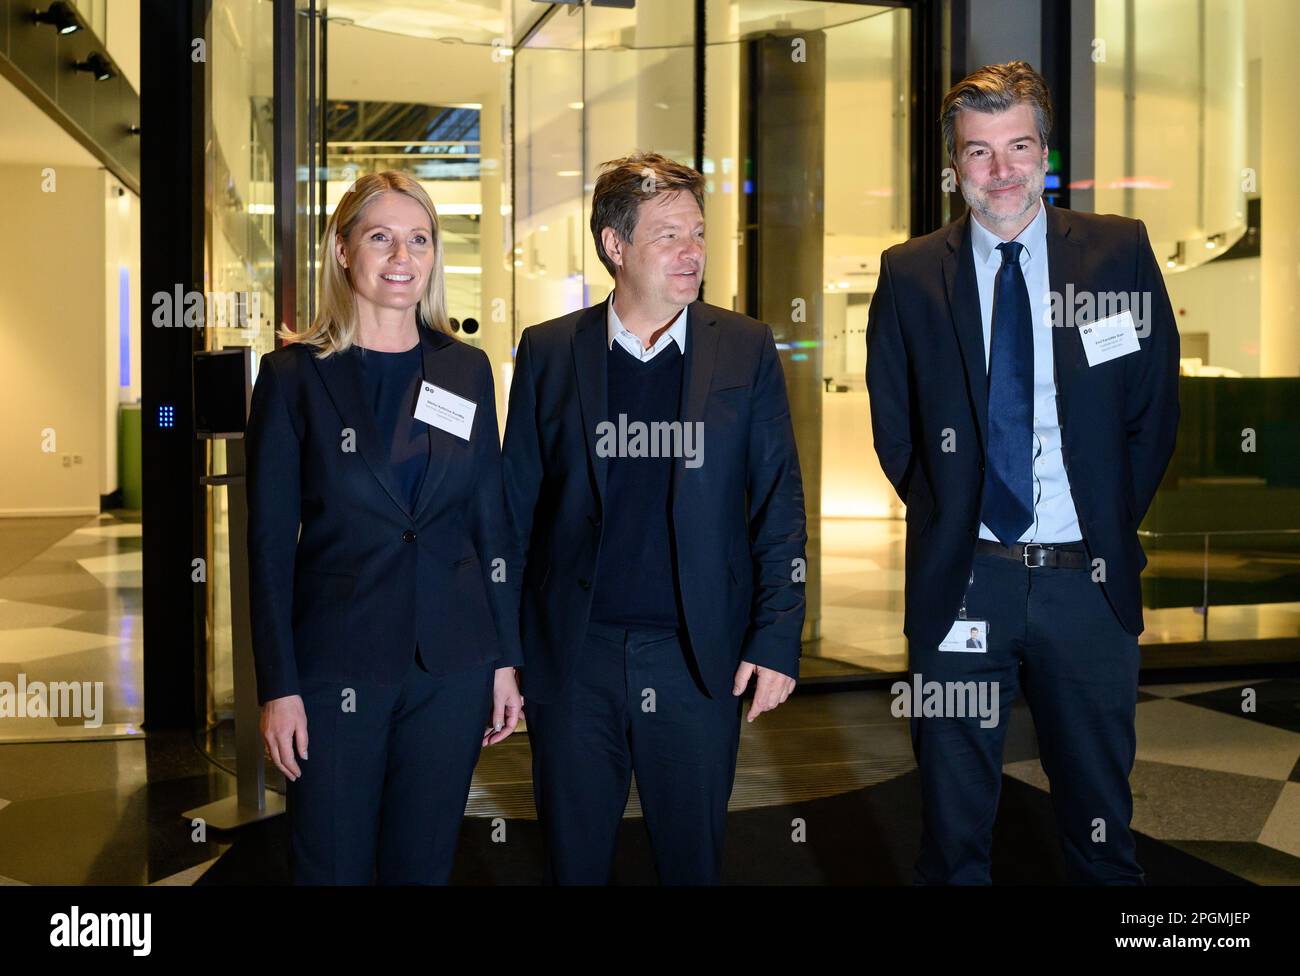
x=617, y=333
x=1055, y=518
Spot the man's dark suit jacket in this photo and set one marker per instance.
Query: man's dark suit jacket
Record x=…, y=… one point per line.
x=368, y=578
x=926, y=375
x=738, y=517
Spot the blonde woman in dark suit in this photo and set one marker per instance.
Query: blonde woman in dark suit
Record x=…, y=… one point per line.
x=385, y=632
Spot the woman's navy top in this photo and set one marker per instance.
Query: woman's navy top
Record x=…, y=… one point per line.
x=392, y=381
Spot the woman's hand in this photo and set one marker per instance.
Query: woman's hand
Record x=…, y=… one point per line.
x=283, y=721
x=507, y=706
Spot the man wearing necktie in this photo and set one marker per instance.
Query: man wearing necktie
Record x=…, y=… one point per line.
x=1027, y=438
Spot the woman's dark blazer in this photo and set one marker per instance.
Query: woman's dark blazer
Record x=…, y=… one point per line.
x=349, y=598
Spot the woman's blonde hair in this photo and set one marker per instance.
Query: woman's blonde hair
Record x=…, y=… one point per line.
x=334, y=328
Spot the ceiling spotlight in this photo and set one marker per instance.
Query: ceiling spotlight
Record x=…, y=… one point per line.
x=61, y=16
x=98, y=66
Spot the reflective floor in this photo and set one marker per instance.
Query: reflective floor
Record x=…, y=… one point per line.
x=70, y=612
x=1219, y=788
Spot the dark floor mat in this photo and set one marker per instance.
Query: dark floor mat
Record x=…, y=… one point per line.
x=867, y=836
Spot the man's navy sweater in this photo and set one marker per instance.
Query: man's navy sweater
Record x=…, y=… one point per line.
x=636, y=573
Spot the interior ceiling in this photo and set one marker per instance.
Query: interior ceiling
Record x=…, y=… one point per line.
x=440, y=51
x=414, y=69
x=473, y=21
x=30, y=137
x=482, y=21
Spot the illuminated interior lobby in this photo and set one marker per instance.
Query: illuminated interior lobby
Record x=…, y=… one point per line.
x=215, y=171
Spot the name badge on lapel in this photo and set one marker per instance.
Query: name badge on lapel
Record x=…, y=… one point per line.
x=445, y=410
x=1109, y=338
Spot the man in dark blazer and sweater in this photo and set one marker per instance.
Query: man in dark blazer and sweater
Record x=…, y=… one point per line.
x=1027, y=437
x=653, y=482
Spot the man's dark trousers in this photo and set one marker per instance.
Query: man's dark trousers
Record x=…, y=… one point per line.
x=634, y=701
x=1053, y=636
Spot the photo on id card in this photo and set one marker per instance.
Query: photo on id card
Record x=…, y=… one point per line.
x=967, y=636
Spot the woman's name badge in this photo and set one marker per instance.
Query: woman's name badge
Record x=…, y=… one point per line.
x=968, y=636
x=443, y=409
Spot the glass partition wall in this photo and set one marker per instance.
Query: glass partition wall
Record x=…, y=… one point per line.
x=239, y=273
x=808, y=155
x=504, y=110
x=1194, y=135
x=590, y=84
x=253, y=281
x=561, y=88
x=805, y=148
x=801, y=115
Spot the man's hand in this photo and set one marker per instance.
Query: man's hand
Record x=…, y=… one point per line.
x=771, y=689
x=284, y=722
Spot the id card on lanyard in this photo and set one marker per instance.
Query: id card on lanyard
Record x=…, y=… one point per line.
x=966, y=635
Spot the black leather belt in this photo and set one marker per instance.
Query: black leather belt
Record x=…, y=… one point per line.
x=1055, y=555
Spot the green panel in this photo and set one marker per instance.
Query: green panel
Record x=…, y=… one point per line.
x=128, y=456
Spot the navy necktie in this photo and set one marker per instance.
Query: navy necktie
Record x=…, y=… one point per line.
x=1008, y=503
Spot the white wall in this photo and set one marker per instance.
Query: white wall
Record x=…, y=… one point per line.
x=122, y=37
x=1221, y=298
x=55, y=370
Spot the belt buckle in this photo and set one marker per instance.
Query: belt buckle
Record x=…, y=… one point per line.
x=1040, y=558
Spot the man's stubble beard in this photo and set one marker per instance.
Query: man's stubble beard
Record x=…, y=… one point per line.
x=1033, y=191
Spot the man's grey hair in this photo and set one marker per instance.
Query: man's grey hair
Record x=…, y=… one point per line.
x=996, y=88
